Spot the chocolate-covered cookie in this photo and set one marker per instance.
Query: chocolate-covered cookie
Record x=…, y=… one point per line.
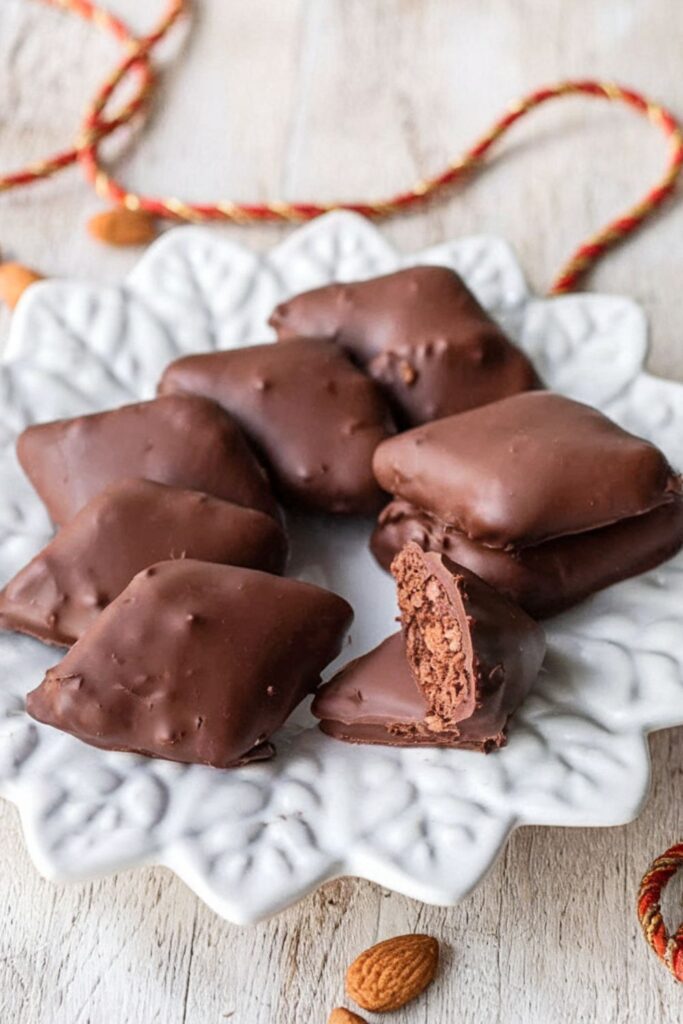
x=525, y=470
x=421, y=334
x=550, y=577
x=463, y=663
x=181, y=440
x=127, y=527
x=195, y=662
x=313, y=417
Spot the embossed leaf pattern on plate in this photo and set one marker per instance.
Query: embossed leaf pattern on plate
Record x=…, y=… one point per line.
x=425, y=822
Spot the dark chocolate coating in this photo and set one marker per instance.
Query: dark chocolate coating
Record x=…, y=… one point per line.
x=379, y=698
x=525, y=470
x=313, y=416
x=377, y=688
x=180, y=440
x=550, y=577
x=421, y=334
x=376, y=699
x=195, y=662
x=130, y=525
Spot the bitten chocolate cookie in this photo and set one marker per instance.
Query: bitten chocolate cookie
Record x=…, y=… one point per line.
x=130, y=525
x=544, y=497
x=180, y=440
x=195, y=662
x=421, y=334
x=463, y=663
x=314, y=417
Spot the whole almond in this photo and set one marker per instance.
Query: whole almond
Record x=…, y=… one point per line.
x=14, y=280
x=343, y=1016
x=390, y=974
x=123, y=227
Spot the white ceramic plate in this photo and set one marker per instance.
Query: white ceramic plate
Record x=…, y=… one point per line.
x=427, y=823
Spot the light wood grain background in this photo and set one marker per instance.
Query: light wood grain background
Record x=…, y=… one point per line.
x=323, y=99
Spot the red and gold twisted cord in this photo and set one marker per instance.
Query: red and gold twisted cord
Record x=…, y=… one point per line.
x=115, y=26
x=669, y=948
x=137, y=60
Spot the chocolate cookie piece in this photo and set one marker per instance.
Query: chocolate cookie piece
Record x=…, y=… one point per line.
x=526, y=469
x=550, y=577
x=462, y=665
x=421, y=334
x=130, y=525
x=195, y=662
x=376, y=699
x=181, y=440
x=313, y=416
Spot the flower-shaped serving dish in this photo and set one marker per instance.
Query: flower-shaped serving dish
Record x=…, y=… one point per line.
x=427, y=823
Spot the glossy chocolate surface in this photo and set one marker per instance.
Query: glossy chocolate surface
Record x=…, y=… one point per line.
x=127, y=527
x=421, y=334
x=180, y=440
x=195, y=662
x=525, y=470
x=314, y=418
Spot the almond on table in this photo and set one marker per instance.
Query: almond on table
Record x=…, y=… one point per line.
x=14, y=280
x=343, y=1016
x=123, y=227
x=392, y=973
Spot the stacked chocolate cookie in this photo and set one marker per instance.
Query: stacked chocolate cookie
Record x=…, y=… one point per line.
x=545, y=498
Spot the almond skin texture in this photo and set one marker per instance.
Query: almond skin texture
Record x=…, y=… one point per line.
x=14, y=280
x=123, y=227
x=390, y=974
x=343, y=1016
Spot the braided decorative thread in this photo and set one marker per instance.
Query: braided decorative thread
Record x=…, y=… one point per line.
x=100, y=128
x=669, y=948
x=137, y=60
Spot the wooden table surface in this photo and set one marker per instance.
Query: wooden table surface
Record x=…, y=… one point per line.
x=318, y=100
